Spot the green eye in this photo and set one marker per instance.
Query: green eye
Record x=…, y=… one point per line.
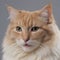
x=34, y=28
x=18, y=28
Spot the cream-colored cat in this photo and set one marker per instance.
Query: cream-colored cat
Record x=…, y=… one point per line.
x=31, y=35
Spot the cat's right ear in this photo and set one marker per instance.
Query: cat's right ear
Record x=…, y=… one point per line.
x=12, y=12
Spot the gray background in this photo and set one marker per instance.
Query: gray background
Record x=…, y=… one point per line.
x=27, y=5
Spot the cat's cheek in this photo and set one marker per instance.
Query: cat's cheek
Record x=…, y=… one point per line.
x=14, y=35
x=20, y=42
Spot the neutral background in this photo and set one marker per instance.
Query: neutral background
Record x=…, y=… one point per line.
x=27, y=5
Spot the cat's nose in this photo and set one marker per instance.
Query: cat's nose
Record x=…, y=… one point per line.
x=26, y=40
x=26, y=36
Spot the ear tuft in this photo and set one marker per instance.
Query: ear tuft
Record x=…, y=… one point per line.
x=10, y=8
x=46, y=12
x=49, y=9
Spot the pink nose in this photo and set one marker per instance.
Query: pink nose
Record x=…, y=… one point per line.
x=26, y=40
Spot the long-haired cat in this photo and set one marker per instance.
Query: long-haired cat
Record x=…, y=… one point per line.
x=31, y=35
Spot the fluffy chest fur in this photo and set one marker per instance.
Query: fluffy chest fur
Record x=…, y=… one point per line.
x=45, y=53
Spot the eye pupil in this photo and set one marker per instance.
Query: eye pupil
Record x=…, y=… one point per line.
x=18, y=28
x=34, y=28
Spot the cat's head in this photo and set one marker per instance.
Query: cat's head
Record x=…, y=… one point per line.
x=30, y=29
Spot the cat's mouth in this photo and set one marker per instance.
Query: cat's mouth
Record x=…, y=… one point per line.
x=27, y=45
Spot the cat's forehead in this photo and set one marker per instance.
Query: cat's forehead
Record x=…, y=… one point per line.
x=27, y=18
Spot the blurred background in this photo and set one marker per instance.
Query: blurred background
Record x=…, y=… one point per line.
x=25, y=5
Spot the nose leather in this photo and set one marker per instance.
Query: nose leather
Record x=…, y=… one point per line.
x=26, y=40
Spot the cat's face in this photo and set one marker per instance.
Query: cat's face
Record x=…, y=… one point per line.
x=29, y=30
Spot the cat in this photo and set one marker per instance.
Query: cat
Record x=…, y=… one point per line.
x=31, y=35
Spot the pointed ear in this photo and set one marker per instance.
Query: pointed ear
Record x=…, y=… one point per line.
x=12, y=11
x=46, y=13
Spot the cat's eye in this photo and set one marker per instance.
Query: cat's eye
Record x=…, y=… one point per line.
x=18, y=28
x=35, y=28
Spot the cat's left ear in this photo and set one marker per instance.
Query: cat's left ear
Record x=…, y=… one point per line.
x=12, y=11
x=46, y=13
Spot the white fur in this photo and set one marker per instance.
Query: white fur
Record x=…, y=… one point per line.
x=34, y=44
x=13, y=52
